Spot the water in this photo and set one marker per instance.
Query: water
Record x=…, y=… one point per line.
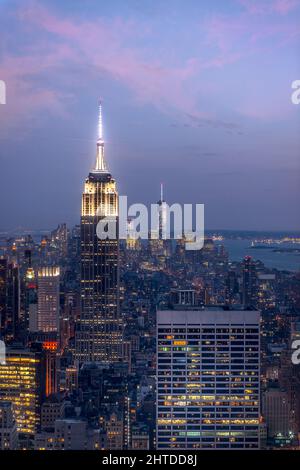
x=238, y=249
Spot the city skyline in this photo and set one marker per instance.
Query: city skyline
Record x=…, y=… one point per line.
x=122, y=345
x=149, y=237
x=174, y=104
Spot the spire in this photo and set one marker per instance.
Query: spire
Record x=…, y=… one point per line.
x=100, y=162
x=100, y=129
x=161, y=192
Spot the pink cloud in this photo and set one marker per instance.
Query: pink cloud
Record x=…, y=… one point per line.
x=100, y=47
x=281, y=7
x=105, y=47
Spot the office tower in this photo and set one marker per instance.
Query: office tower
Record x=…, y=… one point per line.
x=50, y=349
x=71, y=379
x=48, y=299
x=59, y=239
x=9, y=299
x=22, y=382
x=13, y=301
x=3, y=296
x=266, y=291
x=276, y=410
x=158, y=234
x=208, y=370
x=8, y=428
x=163, y=213
x=249, y=287
x=99, y=331
x=289, y=378
x=232, y=288
x=30, y=298
x=71, y=313
x=51, y=410
x=132, y=242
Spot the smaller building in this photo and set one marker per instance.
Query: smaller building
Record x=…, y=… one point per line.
x=140, y=437
x=69, y=434
x=51, y=410
x=8, y=427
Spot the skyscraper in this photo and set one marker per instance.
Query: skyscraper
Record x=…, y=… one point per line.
x=249, y=288
x=207, y=379
x=99, y=331
x=9, y=299
x=48, y=299
x=163, y=214
x=31, y=300
x=22, y=382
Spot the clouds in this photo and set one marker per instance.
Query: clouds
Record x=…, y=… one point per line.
x=98, y=46
x=119, y=48
x=221, y=75
x=281, y=7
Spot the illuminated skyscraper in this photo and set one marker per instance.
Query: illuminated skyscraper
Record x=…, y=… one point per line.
x=48, y=299
x=208, y=379
x=163, y=213
x=99, y=331
x=22, y=382
x=30, y=297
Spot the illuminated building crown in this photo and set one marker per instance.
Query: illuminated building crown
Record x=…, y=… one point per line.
x=100, y=166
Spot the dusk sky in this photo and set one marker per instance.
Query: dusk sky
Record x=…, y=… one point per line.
x=196, y=94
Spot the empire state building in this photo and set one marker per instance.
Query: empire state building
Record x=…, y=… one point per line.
x=99, y=330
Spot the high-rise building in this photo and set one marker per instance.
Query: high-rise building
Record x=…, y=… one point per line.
x=50, y=349
x=276, y=410
x=208, y=372
x=30, y=299
x=158, y=243
x=163, y=214
x=48, y=299
x=249, y=287
x=13, y=301
x=9, y=299
x=99, y=330
x=3, y=295
x=22, y=382
x=59, y=238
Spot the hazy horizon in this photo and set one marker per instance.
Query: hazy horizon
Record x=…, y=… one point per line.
x=196, y=94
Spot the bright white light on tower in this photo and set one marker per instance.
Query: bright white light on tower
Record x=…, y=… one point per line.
x=100, y=129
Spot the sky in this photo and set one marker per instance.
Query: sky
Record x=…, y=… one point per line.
x=196, y=95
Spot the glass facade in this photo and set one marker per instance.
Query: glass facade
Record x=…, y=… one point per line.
x=22, y=382
x=208, y=379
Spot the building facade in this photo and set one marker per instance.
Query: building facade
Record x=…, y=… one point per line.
x=48, y=299
x=249, y=283
x=99, y=330
x=22, y=382
x=208, y=369
x=8, y=428
x=9, y=299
